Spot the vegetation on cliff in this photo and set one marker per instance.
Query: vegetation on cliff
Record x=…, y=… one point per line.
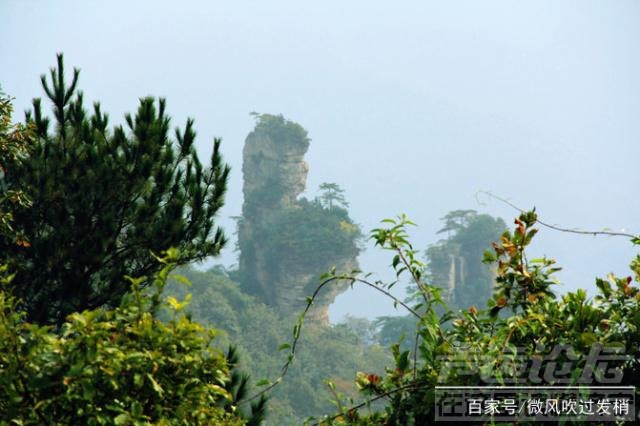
x=287, y=242
x=258, y=331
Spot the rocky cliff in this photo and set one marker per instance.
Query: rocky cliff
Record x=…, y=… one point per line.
x=286, y=242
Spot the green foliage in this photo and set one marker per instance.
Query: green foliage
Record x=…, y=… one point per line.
x=391, y=329
x=286, y=137
x=364, y=329
x=332, y=196
x=104, y=200
x=258, y=331
x=520, y=283
x=469, y=234
x=281, y=130
x=310, y=237
x=113, y=367
x=306, y=238
x=15, y=141
x=286, y=241
x=496, y=344
x=456, y=220
x=98, y=203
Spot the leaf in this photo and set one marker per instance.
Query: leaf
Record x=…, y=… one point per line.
x=604, y=287
x=136, y=409
x=284, y=346
x=122, y=419
x=173, y=302
x=181, y=279
x=156, y=386
x=588, y=338
x=493, y=312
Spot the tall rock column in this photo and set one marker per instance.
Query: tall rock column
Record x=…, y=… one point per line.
x=286, y=242
x=274, y=175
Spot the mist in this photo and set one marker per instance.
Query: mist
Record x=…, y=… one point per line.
x=415, y=108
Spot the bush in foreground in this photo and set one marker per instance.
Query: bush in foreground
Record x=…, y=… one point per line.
x=116, y=366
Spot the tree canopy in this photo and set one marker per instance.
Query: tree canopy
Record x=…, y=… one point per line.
x=103, y=201
x=594, y=341
x=332, y=196
x=455, y=263
x=82, y=206
x=15, y=140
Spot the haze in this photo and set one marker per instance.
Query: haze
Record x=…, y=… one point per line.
x=412, y=107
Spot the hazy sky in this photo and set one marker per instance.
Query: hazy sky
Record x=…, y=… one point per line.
x=412, y=107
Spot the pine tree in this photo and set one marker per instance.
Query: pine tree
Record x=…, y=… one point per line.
x=104, y=201
x=332, y=196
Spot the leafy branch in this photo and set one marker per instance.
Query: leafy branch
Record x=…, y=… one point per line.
x=394, y=238
x=327, y=279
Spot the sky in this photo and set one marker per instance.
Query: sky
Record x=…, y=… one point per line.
x=413, y=107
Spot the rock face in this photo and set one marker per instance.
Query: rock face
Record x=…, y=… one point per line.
x=455, y=263
x=456, y=278
x=274, y=170
x=279, y=261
